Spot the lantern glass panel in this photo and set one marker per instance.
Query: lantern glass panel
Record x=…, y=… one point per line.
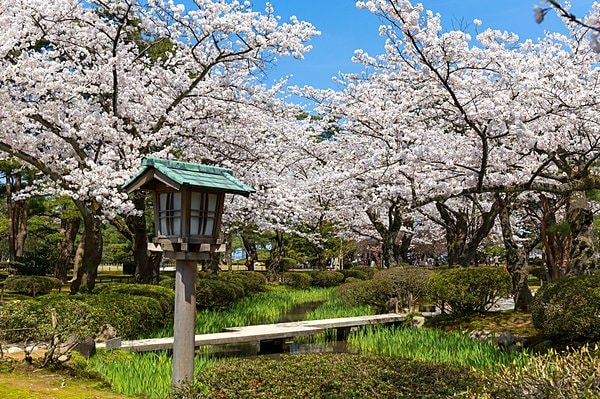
x=169, y=214
x=203, y=213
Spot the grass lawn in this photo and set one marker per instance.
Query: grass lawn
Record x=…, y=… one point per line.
x=47, y=385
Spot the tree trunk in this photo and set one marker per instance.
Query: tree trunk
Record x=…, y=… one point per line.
x=134, y=228
x=456, y=243
x=516, y=262
x=21, y=235
x=275, y=255
x=388, y=241
x=556, y=241
x=155, y=260
x=251, y=252
x=391, y=251
x=69, y=230
x=464, y=233
x=581, y=222
x=145, y=272
x=90, y=256
x=405, y=242
x=17, y=214
x=213, y=263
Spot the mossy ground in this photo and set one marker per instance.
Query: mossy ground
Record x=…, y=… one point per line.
x=515, y=323
x=21, y=384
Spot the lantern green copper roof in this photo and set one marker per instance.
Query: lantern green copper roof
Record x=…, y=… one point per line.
x=191, y=174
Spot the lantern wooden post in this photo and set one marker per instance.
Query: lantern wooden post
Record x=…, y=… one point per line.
x=188, y=204
x=184, y=322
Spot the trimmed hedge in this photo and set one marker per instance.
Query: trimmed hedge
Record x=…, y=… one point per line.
x=469, y=290
x=326, y=278
x=37, y=263
x=568, y=310
x=253, y=282
x=164, y=296
x=409, y=285
x=131, y=315
x=285, y=264
x=167, y=282
x=357, y=274
x=332, y=376
x=31, y=319
x=374, y=292
x=80, y=316
x=368, y=270
x=31, y=285
x=299, y=280
x=539, y=272
x=216, y=293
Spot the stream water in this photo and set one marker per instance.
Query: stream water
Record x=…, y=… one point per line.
x=291, y=346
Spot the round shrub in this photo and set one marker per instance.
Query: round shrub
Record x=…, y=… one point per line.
x=409, y=284
x=167, y=282
x=327, y=278
x=81, y=316
x=281, y=265
x=539, y=272
x=368, y=270
x=373, y=292
x=299, y=280
x=31, y=285
x=253, y=282
x=164, y=296
x=37, y=263
x=356, y=274
x=31, y=319
x=469, y=290
x=286, y=264
x=568, y=309
x=131, y=315
x=213, y=293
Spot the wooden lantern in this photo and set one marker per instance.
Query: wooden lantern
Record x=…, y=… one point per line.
x=188, y=204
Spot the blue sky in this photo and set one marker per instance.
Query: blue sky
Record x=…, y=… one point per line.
x=345, y=28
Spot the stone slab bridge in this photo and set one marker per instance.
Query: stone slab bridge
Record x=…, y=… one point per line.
x=272, y=333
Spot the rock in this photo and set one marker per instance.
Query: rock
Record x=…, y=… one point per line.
x=107, y=332
x=509, y=342
x=392, y=305
x=87, y=348
x=542, y=346
x=14, y=349
x=481, y=335
x=417, y=321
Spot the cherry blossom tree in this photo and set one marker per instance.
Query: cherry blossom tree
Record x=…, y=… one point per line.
x=591, y=22
x=87, y=88
x=444, y=114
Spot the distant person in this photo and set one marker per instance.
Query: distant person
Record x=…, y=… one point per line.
x=249, y=264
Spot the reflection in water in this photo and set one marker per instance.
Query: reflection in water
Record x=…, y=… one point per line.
x=322, y=343
x=299, y=312
x=274, y=349
x=326, y=347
